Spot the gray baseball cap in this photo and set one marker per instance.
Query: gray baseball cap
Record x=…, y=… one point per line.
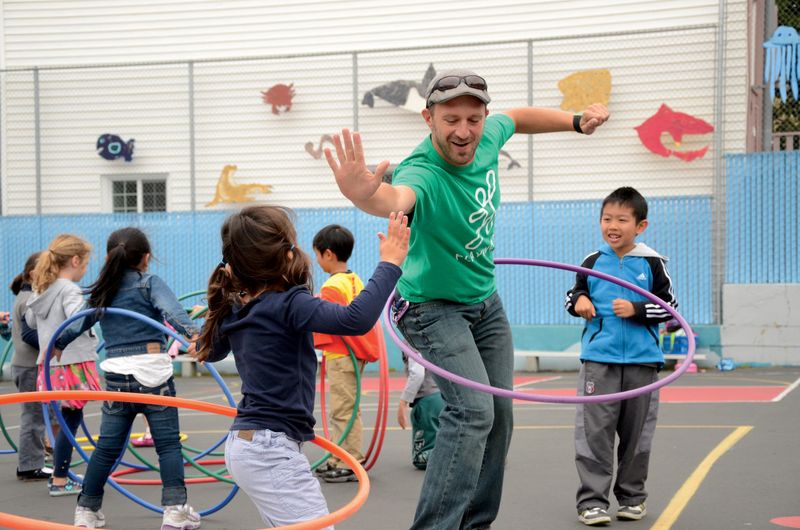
x=454, y=83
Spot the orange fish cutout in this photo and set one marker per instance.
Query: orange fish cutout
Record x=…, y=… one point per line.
x=676, y=124
x=581, y=89
x=230, y=191
x=280, y=97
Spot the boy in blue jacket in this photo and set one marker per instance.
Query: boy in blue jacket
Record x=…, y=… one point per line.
x=619, y=352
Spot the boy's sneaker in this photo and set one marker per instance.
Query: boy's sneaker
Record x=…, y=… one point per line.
x=88, y=518
x=593, y=516
x=180, y=517
x=321, y=470
x=70, y=488
x=632, y=513
x=34, y=474
x=339, y=475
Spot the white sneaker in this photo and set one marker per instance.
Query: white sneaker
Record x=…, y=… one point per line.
x=180, y=517
x=593, y=516
x=88, y=518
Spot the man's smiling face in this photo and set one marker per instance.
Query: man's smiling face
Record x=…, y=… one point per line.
x=457, y=128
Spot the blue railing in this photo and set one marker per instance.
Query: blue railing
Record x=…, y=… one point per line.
x=186, y=248
x=763, y=218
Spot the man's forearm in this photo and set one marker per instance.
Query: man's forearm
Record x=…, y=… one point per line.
x=387, y=199
x=533, y=120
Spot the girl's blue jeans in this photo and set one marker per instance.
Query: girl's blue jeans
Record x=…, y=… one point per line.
x=116, y=423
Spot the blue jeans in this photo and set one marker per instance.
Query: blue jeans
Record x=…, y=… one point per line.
x=272, y=470
x=62, y=450
x=463, y=483
x=115, y=425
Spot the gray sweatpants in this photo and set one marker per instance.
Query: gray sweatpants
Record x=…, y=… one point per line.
x=633, y=420
x=31, y=428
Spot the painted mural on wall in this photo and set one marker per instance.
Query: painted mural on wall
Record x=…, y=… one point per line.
x=408, y=95
x=581, y=89
x=676, y=124
x=280, y=97
x=316, y=152
x=112, y=147
x=230, y=191
x=782, y=62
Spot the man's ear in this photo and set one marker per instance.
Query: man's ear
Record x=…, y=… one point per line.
x=428, y=117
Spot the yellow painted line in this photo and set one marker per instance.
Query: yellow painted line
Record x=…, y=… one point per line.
x=692, y=484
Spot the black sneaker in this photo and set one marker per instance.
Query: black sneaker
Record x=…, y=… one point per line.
x=33, y=474
x=339, y=475
x=321, y=470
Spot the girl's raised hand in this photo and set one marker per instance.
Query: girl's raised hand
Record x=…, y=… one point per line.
x=394, y=245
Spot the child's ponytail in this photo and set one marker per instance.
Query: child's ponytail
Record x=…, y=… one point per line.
x=25, y=276
x=62, y=249
x=221, y=296
x=125, y=249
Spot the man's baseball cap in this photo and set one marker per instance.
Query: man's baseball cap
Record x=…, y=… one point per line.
x=454, y=83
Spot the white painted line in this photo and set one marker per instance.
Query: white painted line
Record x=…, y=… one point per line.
x=786, y=392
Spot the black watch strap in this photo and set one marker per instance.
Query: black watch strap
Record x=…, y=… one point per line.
x=576, y=123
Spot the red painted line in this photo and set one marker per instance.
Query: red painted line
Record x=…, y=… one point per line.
x=787, y=522
x=396, y=384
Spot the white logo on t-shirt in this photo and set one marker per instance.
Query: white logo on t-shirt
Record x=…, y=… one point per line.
x=484, y=217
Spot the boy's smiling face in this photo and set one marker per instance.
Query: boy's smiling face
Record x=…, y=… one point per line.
x=619, y=227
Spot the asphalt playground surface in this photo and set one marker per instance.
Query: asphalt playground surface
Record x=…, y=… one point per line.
x=726, y=455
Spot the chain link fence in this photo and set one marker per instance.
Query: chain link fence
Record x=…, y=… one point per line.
x=185, y=137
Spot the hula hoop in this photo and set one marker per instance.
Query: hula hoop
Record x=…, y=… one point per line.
x=71, y=438
x=502, y=392
x=23, y=523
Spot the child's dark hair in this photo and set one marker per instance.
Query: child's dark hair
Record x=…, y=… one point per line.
x=337, y=239
x=256, y=243
x=25, y=276
x=124, y=250
x=627, y=196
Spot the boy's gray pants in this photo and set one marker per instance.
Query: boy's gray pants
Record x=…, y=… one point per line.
x=31, y=428
x=633, y=420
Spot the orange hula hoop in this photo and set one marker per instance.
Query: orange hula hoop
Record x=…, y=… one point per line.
x=24, y=523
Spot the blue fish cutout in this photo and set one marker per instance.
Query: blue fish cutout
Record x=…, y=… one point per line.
x=111, y=147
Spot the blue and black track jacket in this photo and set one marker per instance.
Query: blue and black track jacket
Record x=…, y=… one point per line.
x=608, y=338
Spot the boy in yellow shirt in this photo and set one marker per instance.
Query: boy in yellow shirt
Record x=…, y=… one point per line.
x=333, y=246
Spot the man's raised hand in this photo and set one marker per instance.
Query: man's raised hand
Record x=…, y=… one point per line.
x=355, y=181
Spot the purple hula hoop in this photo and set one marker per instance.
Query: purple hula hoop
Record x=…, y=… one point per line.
x=602, y=398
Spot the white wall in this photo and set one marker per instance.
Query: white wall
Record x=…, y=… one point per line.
x=232, y=126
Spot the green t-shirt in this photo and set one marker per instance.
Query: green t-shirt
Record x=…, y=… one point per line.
x=451, y=256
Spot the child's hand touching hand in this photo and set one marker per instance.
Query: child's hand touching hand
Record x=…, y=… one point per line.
x=585, y=308
x=623, y=308
x=394, y=246
x=5, y=317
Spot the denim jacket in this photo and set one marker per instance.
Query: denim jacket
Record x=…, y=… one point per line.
x=147, y=295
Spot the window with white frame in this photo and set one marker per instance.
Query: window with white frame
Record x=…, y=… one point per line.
x=138, y=194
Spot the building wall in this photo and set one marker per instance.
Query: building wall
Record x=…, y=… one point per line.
x=657, y=52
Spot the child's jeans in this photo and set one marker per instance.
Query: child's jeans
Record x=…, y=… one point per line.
x=276, y=475
x=115, y=425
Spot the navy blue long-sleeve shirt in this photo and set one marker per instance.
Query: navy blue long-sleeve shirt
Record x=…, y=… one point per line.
x=273, y=347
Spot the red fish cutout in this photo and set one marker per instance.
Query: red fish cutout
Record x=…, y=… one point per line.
x=676, y=124
x=280, y=97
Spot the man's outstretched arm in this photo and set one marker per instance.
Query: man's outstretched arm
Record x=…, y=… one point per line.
x=362, y=187
x=534, y=120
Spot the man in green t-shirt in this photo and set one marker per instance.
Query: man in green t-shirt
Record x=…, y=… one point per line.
x=455, y=317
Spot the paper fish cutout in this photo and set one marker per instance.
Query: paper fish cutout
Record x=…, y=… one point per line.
x=230, y=191
x=782, y=61
x=111, y=147
x=409, y=95
x=280, y=97
x=676, y=124
x=581, y=89
x=316, y=153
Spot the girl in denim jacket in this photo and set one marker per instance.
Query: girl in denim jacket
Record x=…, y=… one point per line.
x=136, y=361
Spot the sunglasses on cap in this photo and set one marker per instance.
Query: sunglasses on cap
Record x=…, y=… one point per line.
x=452, y=81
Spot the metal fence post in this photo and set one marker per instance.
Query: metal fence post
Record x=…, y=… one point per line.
x=718, y=187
